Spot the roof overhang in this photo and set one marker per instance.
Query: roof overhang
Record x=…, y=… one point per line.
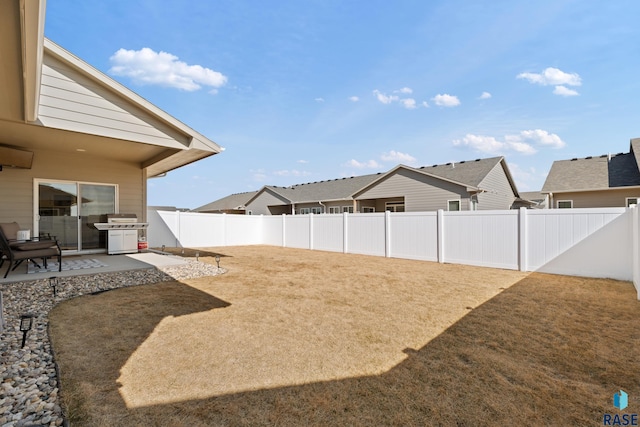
x=23, y=49
x=588, y=190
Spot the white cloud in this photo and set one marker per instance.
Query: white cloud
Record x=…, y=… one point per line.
x=446, y=100
x=425, y=104
x=385, y=99
x=542, y=137
x=552, y=77
x=522, y=143
x=258, y=175
x=564, y=91
x=409, y=103
x=370, y=164
x=529, y=179
x=354, y=99
x=146, y=66
x=485, y=95
x=397, y=156
x=303, y=161
x=319, y=99
x=293, y=172
x=406, y=90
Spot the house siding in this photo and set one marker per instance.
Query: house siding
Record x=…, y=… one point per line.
x=70, y=101
x=420, y=192
x=260, y=205
x=597, y=199
x=18, y=184
x=500, y=194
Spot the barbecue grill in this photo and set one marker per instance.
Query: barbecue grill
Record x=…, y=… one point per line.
x=122, y=232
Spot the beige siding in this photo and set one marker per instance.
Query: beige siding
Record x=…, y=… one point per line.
x=499, y=194
x=420, y=192
x=260, y=205
x=17, y=185
x=597, y=199
x=70, y=101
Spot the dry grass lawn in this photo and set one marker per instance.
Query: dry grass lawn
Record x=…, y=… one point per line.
x=293, y=337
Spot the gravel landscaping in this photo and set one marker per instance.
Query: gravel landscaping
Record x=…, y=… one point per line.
x=29, y=391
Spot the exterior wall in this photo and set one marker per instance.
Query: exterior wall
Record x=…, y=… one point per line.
x=597, y=199
x=17, y=185
x=260, y=205
x=421, y=192
x=500, y=194
x=70, y=101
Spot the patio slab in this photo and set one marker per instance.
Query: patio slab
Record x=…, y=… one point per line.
x=113, y=263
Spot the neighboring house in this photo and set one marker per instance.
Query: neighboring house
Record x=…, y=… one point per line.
x=233, y=204
x=536, y=199
x=598, y=181
x=332, y=196
x=481, y=184
x=477, y=184
x=74, y=144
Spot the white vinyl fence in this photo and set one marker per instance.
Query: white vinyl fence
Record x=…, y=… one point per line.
x=583, y=242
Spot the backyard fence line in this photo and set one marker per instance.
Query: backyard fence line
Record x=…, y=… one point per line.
x=602, y=242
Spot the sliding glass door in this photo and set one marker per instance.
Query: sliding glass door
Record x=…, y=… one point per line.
x=66, y=211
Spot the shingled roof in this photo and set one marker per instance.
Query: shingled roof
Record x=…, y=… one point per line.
x=595, y=173
x=333, y=189
x=470, y=173
x=233, y=202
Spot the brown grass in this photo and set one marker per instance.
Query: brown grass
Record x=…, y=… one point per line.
x=292, y=337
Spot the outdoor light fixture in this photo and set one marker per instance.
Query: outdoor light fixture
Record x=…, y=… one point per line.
x=26, y=322
x=53, y=282
x=218, y=260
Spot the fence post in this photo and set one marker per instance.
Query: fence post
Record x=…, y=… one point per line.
x=345, y=232
x=635, y=229
x=440, y=237
x=284, y=234
x=311, y=231
x=178, y=228
x=224, y=229
x=387, y=234
x=522, y=238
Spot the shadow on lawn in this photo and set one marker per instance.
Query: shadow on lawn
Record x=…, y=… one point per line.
x=549, y=350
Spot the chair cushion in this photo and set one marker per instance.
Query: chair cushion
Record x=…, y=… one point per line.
x=33, y=246
x=10, y=230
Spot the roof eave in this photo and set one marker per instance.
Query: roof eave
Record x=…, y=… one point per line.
x=197, y=140
x=32, y=14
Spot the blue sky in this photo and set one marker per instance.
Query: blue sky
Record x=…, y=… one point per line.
x=302, y=91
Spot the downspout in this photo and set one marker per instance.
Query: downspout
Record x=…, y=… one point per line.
x=324, y=208
x=293, y=208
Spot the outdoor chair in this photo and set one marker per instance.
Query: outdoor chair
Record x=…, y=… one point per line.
x=17, y=251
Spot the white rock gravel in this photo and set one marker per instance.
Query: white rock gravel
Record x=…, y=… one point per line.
x=29, y=383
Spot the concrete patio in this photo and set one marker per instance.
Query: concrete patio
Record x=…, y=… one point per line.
x=113, y=263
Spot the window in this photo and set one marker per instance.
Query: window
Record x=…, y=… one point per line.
x=394, y=206
x=305, y=211
x=348, y=209
x=453, y=205
x=334, y=209
x=632, y=201
x=316, y=210
x=565, y=204
x=368, y=209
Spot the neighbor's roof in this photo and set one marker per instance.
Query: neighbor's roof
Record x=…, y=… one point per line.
x=469, y=174
x=533, y=196
x=324, y=191
x=595, y=173
x=465, y=173
x=232, y=202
